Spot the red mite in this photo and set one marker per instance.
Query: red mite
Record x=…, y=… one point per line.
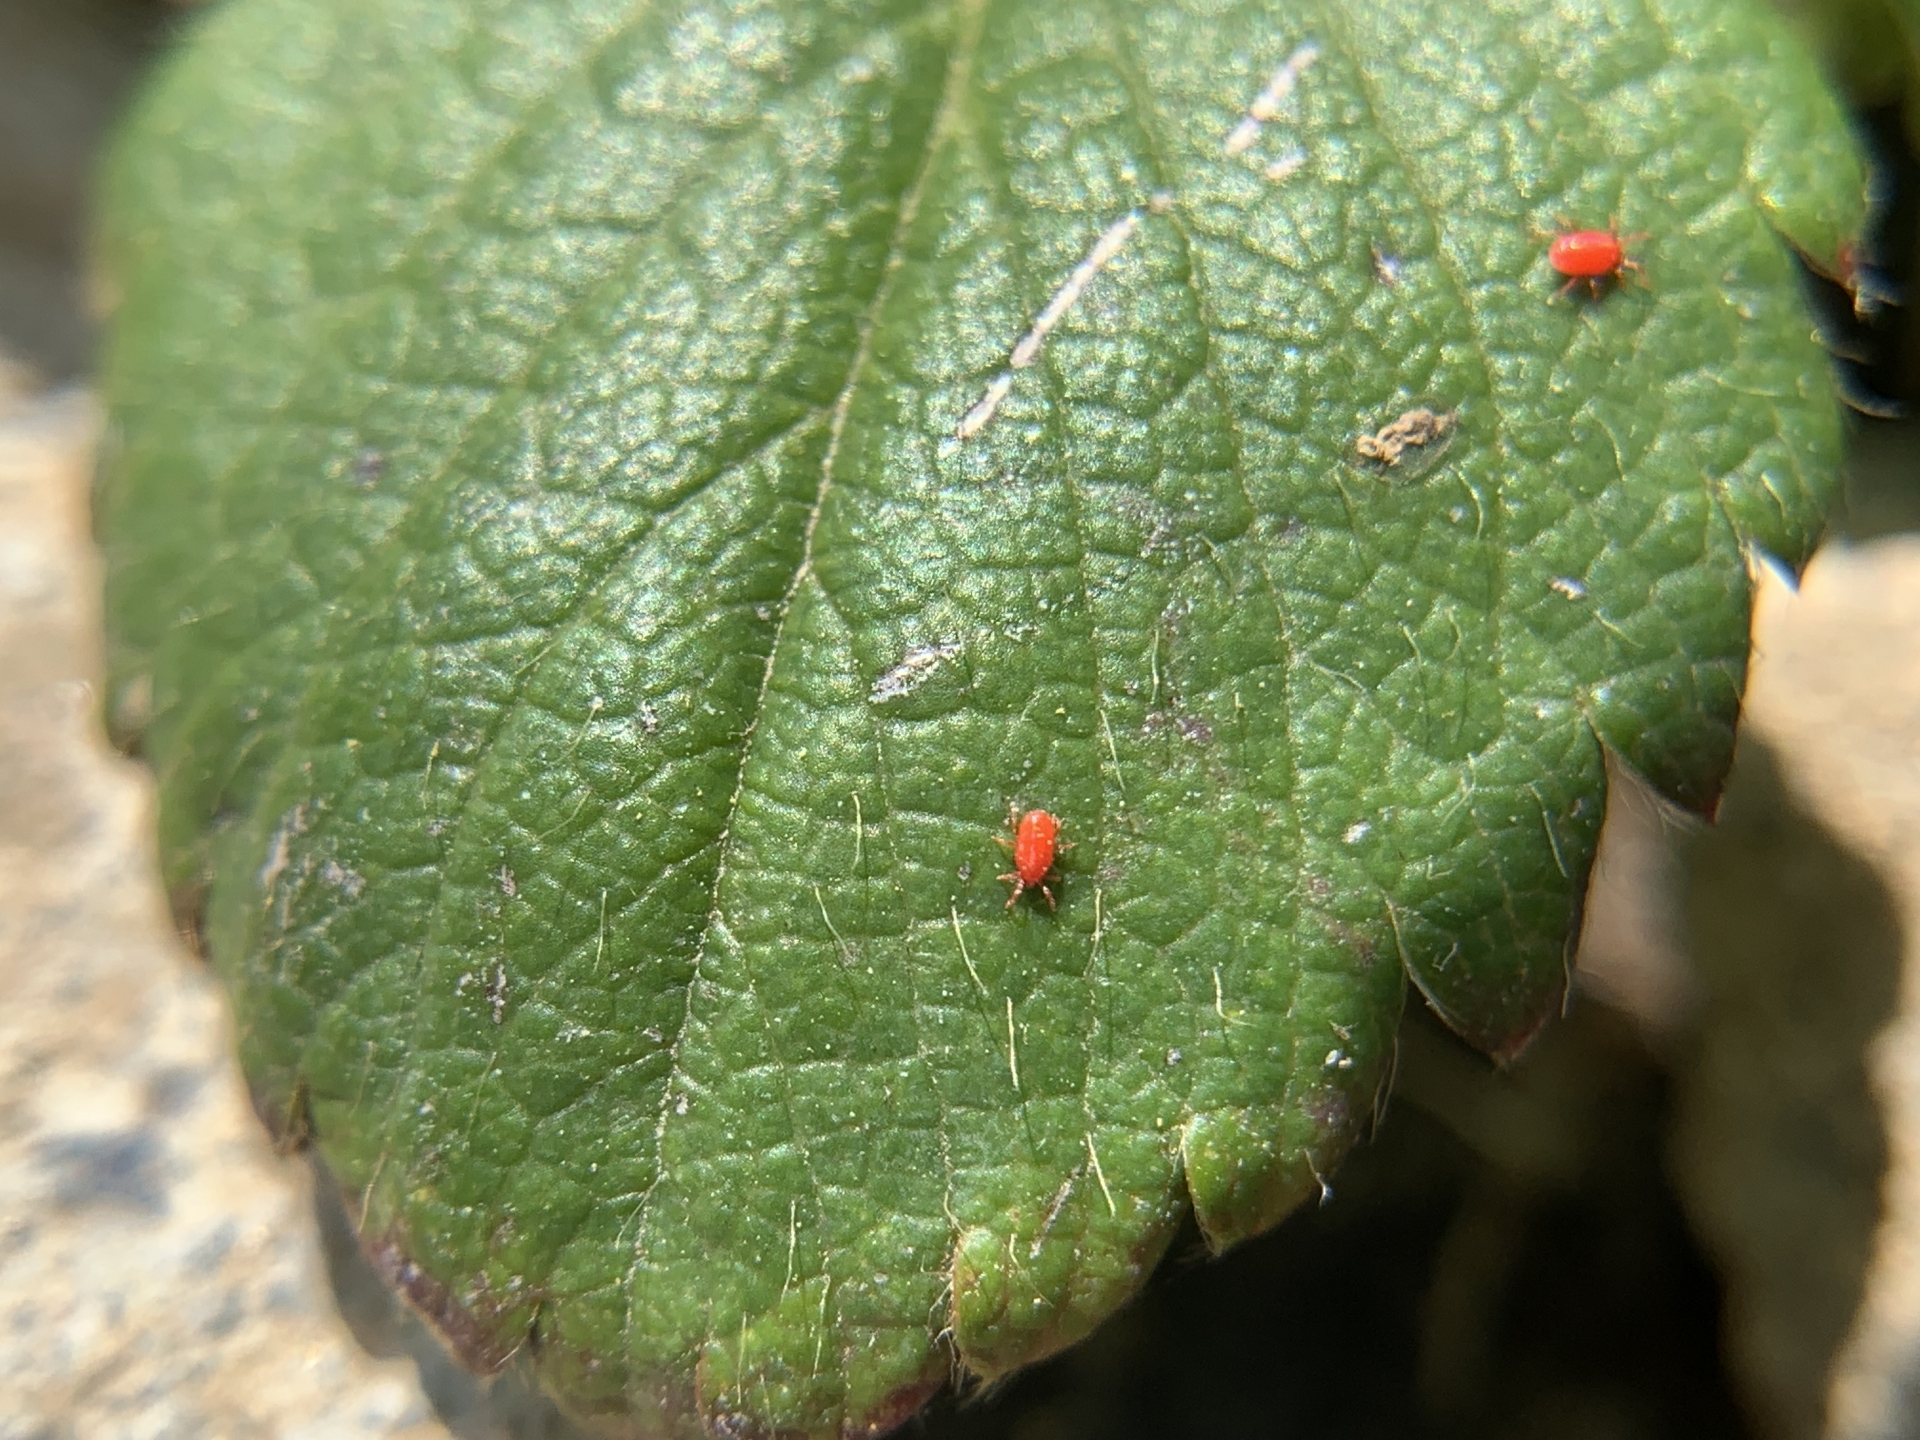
x=1592, y=256
x=1036, y=839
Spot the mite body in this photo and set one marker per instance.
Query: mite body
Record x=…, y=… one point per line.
x=1035, y=845
x=1592, y=256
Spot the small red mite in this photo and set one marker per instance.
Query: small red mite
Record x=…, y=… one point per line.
x=1592, y=256
x=1036, y=839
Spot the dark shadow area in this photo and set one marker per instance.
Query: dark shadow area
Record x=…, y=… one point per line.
x=1880, y=492
x=67, y=68
x=1777, y=1141
x=1871, y=335
x=1504, y=1259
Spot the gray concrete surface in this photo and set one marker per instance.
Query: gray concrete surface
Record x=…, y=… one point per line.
x=160, y=1271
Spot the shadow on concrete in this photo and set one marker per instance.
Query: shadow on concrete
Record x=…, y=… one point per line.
x=66, y=69
x=1777, y=1141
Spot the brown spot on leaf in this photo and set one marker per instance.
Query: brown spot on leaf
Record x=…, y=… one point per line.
x=1417, y=427
x=1329, y=1109
x=291, y=1123
x=1351, y=939
x=472, y=1328
x=1190, y=728
x=888, y=1413
x=188, y=903
x=894, y=1410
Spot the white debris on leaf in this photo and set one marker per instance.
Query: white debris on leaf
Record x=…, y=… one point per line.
x=913, y=670
x=1287, y=165
x=1104, y=249
x=1266, y=105
x=976, y=419
x=1027, y=349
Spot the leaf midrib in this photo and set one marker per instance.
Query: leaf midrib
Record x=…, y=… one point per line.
x=971, y=17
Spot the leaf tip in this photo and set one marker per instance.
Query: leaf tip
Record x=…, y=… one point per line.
x=1247, y=1170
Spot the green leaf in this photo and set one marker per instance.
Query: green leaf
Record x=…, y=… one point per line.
x=590, y=629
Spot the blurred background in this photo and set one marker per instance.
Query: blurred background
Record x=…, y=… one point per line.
x=1693, y=1208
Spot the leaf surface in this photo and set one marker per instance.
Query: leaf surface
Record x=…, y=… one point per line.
x=613, y=502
